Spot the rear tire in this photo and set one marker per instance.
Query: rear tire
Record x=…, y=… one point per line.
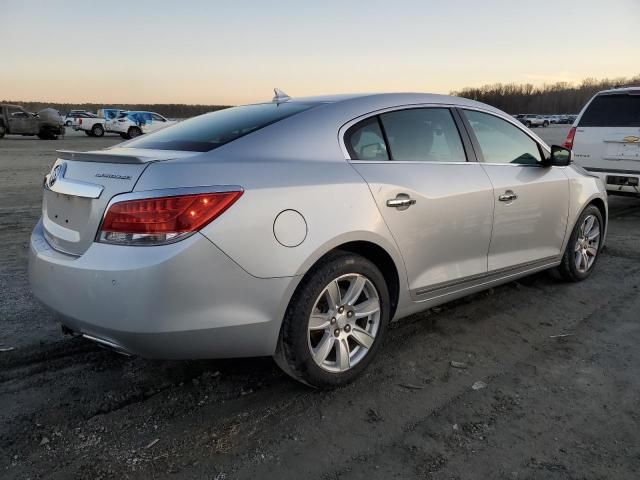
x=97, y=130
x=584, y=247
x=349, y=299
x=3, y=131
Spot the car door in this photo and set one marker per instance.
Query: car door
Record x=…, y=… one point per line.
x=531, y=200
x=19, y=121
x=437, y=205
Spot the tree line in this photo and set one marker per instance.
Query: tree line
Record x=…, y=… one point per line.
x=169, y=110
x=556, y=98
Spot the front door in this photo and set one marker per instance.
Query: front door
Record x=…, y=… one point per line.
x=437, y=205
x=531, y=200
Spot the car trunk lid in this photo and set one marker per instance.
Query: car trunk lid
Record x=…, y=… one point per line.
x=79, y=188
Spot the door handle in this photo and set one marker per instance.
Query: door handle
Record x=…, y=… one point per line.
x=401, y=202
x=508, y=196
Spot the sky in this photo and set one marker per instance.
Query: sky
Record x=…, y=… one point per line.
x=232, y=52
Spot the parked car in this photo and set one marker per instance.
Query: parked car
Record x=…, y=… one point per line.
x=300, y=228
x=72, y=115
x=97, y=125
x=605, y=138
x=47, y=124
x=133, y=123
x=534, y=121
x=89, y=123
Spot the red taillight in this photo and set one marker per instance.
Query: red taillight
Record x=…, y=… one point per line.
x=568, y=143
x=79, y=121
x=163, y=219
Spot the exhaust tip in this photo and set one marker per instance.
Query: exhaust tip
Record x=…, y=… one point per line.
x=108, y=344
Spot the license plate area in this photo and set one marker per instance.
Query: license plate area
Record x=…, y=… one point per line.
x=67, y=211
x=622, y=180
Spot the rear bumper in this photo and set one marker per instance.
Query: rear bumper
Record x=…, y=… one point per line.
x=614, y=188
x=178, y=301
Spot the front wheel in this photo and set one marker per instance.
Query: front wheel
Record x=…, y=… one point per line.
x=584, y=246
x=335, y=322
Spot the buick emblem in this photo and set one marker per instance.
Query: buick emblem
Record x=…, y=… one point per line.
x=57, y=172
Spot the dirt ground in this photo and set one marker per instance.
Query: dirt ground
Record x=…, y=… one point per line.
x=560, y=362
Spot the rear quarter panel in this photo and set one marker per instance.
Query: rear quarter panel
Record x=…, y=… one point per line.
x=333, y=199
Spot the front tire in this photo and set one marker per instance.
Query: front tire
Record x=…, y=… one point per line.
x=335, y=322
x=584, y=246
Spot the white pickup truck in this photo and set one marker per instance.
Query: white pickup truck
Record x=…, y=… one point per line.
x=97, y=125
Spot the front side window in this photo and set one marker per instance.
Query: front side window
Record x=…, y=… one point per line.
x=212, y=130
x=423, y=134
x=613, y=110
x=501, y=142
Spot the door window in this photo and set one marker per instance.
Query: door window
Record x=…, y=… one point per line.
x=501, y=142
x=423, y=134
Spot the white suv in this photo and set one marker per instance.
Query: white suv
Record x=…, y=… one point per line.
x=605, y=139
x=134, y=123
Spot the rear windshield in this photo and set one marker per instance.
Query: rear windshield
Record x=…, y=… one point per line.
x=617, y=110
x=209, y=131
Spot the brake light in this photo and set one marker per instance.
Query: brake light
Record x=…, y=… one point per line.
x=154, y=221
x=568, y=143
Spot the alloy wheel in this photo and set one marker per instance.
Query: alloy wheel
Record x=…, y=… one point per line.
x=344, y=322
x=587, y=244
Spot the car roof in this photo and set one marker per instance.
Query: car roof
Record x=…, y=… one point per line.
x=11, y=106
x=631, y=88
x=390, y=99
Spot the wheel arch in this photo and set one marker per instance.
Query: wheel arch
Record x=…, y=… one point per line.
x=377, y=255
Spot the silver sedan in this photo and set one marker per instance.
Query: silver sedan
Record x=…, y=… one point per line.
x=299, y=228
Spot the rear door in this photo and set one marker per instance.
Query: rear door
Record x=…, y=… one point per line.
x=531, y=200
x=437, y=205
x=607, y=136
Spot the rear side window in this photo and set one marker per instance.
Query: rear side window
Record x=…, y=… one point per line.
x=618, y=110
x=366, y=142
x=212, y=130
x=501, y=142
x=423, y=134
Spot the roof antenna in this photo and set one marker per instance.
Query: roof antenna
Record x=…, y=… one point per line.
x=280, y=96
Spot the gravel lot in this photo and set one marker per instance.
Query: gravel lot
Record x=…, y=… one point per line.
x=554, y=407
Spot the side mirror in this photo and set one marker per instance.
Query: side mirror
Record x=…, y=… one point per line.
x=560, y=156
